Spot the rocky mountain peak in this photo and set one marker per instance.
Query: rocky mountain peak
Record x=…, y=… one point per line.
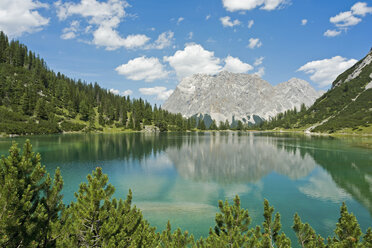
x=237, y=96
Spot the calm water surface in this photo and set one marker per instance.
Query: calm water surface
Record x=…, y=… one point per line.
x=181, y=177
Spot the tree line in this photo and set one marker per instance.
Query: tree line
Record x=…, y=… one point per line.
x=32, y=214
x=34, y=99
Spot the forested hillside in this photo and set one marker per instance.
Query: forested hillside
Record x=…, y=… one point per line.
x=346, y=107
x=36, y=100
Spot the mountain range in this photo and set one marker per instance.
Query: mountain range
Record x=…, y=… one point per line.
x=236, y=96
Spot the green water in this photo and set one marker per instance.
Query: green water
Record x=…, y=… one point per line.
x=181, y=177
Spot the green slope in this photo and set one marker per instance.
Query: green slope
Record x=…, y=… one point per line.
x=36, y=100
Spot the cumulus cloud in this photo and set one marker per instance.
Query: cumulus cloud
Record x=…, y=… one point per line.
x=303, y=22
x=193, y=59
x=227, y=22
x=250, y=23
x=241, y=5
x=208, y=17
x=254, y=43
x=258, y=61
x=236, y=65
x=164, y=40
x=109, y=38
x=21, y=16
x=143, y=68
x=331, y=33
x=361, y=9
x=103, y=19
x=345, y=19
x=160, y=92
x=324, y=72
x=350, y=18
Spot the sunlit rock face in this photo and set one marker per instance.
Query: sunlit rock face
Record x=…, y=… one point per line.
x=230, y=158
x=240, y=96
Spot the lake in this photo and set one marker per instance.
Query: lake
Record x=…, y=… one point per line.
x=181, y=177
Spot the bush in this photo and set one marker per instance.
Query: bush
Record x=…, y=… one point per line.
x=68, y=126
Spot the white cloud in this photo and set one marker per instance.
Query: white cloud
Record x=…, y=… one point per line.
x=258, y=61
x=142, y=68
x=21, y=16
x=127, y=92
x=227, y=22
x=361, y=9
x=160, y=92
x=345, y=19
x=109, y=38
x=193, y=59
x=98, y=12
x=70, y=32
x=254, y=43
x=324, y=72
x=180, y=20
x=164, y=40
x=103, y=19
x=303, y=22
x=260, y=72
x=331, y=33
x=236, y=65
x=238, y=5
x=208, y=17
x=117, y=92
x=350, y=18
x=250, y=23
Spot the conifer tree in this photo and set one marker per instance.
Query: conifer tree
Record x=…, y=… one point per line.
x=271, y=236
x=175, y=239
x=306, y=235
x=347, y=230
x=201, y=124
x=96, y=220
x=213, y=126
x=40, y=109
x=30, y=202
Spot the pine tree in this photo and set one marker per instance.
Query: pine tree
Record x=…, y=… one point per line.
x=40, y=109
x=30, y=202
x=175, y=239
x=96, y=220
x=201, y=125
x=347, y=230
x=306, y=235
x=84, y=110
x=213, y=126
x=271, y=236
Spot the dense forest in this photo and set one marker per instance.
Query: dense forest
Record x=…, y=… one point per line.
x=32, y=214
x=347, y=105
x=36, y=100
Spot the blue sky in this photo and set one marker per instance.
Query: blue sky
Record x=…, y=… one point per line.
x=144, y=47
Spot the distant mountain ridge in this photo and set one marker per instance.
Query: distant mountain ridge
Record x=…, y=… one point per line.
x=236, y=96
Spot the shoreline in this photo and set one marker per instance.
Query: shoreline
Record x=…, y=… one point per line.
x=301, y=132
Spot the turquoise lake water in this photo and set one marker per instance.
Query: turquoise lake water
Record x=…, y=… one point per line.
x=181, y=177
